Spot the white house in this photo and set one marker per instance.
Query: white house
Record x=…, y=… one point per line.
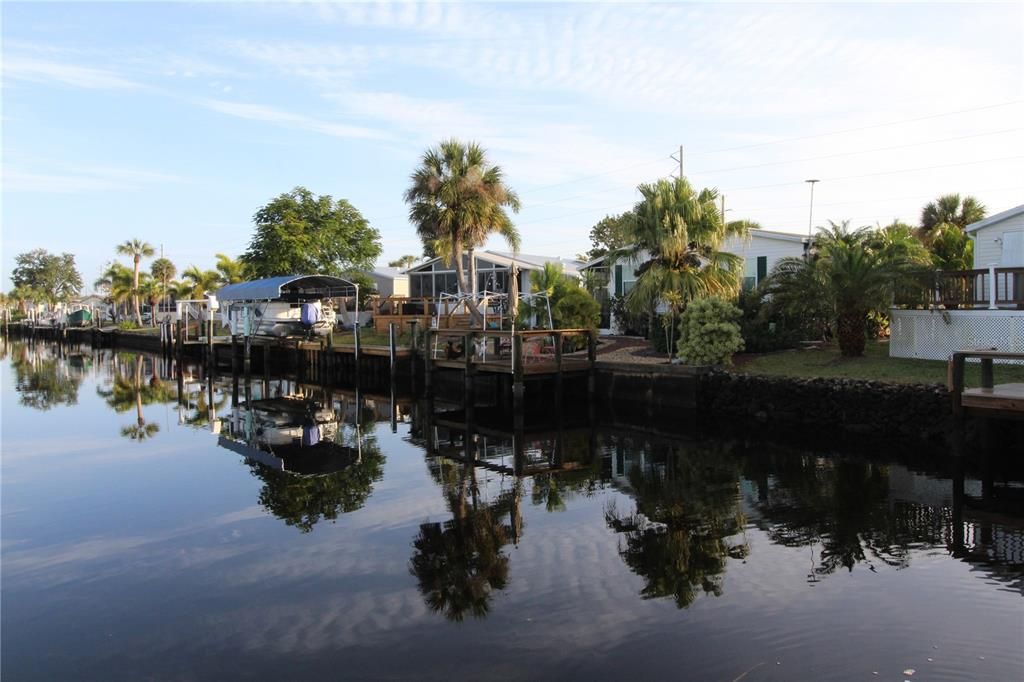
x=979, y=308
x=390, y=281
x=435, y=277
x=761, y=251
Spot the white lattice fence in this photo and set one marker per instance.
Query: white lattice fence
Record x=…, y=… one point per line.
x=937, y=334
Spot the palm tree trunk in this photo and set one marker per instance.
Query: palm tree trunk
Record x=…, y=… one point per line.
x=135, y=292
x=464, y=288
x=852, y=333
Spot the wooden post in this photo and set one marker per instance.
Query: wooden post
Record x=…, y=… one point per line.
x=211, y=355
x=391, y=346
x=987, y=380
x=558, y=372
x=428, y=362
x=469, y=378
x=518, y=387
x=957, y=387
x=234, y=354
x=415, y=349
x=179, y=339
x=592, y=361
x=247, y=358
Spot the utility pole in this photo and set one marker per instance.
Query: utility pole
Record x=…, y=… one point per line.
x=810, y=216
x=723, y=209
x=679, y=159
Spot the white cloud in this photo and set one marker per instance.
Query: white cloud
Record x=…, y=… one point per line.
x=260, y=112
x=37, y=70
x=70, y=179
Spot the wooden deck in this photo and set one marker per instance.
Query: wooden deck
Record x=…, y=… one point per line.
x=991, y=399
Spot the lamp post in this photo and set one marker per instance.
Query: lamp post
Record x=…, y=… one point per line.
x=810, y=217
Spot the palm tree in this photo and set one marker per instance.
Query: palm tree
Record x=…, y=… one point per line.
x=457, y=199
x=681, y=231
x=137, y=250
x=951, y=248
x=151, y=292
x=847, y=275
x=116, y=281
x=403, y=263
x=164, y=271
x=230, y=270
x=202, y=282
x=950, y=209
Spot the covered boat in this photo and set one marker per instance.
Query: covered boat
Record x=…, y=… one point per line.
x=284, y=306
x=80, y=318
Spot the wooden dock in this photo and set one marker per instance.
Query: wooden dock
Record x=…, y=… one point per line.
x=991, y=399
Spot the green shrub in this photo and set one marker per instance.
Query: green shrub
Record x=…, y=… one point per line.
x=576, y=309
x=765, y=329
x=127, y=325
x=709, y=332
x=629, y=323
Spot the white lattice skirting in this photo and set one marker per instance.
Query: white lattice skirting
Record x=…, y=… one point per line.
x=937, y=334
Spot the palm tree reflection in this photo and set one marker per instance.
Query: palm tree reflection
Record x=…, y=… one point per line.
x=461, y=562
x=686, y=525
x=42, y=380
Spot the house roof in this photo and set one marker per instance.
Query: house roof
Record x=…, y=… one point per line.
x=271, y=289
x=524, y=261
x=997, y=218
x=757, y=232
x=388, y=273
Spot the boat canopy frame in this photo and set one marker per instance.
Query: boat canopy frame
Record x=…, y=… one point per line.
x=289, y=289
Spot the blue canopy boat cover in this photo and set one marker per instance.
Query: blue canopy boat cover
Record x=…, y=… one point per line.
x=288, y=288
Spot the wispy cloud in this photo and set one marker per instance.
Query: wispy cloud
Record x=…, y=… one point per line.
x=260, y=112
x=39, y=71
x=70, y=179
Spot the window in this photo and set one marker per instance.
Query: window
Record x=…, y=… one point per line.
x=618, y=280
x=762, y=268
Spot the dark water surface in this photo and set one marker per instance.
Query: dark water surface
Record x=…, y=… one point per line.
x=143, y=538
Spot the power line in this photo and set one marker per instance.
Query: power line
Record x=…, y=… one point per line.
x=892, y=172
x=854, y=130
x=861, y=151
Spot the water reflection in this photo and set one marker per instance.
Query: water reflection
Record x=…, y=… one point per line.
x=46, y=376
x=134, y=383
x=687, y=521
x=315, y=457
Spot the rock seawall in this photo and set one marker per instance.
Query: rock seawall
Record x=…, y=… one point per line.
x=869, y=408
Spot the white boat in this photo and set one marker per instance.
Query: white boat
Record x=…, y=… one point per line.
x=279, y=318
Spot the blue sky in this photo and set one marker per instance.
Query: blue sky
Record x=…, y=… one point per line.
x=174, y=122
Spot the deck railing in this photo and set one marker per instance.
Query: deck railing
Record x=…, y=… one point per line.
x=518, y=351
x=990, y=288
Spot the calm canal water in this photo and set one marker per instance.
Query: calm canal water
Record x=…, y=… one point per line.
x=149, y=534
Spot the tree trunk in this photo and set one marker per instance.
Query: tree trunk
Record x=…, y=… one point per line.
x=852, y=333
x=464, y=288
x=135, y=292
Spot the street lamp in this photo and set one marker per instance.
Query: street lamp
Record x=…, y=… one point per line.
x=810, y=217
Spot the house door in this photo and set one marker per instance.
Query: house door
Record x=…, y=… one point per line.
x=1013, y=257
x=1013, y=249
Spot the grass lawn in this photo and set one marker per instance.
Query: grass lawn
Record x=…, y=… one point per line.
x=876, y=365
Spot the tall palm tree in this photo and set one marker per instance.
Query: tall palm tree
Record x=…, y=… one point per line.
x=164, y=271
x=403, y=263
x=457, y=199
x=847, y=275
x=681, y=231
x=950, y=209
x=230, y=270
x=138, y=250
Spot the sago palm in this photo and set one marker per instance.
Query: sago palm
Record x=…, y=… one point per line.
x=681, y=231
x=138, y=250
x=846, y=276
x=457, y=199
